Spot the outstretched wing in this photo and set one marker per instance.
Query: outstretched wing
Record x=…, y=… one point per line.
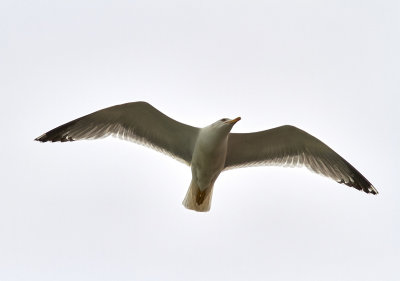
x=136, y=121
x=290, y=146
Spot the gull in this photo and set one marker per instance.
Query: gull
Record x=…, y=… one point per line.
x=212, y=149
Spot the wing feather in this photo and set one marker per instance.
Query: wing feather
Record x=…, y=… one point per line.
x=290, y=146
x=136, y=121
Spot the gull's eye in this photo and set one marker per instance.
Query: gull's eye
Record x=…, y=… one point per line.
x=224, y=119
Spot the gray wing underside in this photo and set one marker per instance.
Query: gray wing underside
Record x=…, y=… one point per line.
x=136, y=121
x=290, y=146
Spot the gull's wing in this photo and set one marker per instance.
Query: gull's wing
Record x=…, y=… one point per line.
x=290, y=146
x=136, y=121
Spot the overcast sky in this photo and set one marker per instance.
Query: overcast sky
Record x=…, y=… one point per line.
x=111, y=210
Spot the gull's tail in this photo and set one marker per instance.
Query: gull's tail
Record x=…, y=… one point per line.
x=198, y=200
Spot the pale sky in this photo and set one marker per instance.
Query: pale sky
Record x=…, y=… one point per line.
x=111, y=210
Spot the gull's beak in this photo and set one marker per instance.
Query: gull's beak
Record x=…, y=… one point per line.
x=233, y=121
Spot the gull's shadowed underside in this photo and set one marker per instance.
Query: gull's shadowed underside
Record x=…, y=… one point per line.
x=211, y=149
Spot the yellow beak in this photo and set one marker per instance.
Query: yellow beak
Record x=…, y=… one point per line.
x=233, y=121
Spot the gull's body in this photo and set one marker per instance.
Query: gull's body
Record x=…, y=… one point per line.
x=212, y=149
x=208, y=161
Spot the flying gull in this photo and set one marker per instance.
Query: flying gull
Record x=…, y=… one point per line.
x=212, y=149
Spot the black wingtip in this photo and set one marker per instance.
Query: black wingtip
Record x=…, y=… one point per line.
x=53, y=138
x=42, y=138
x=369, y=188
x=372, y=190
x=58, y=134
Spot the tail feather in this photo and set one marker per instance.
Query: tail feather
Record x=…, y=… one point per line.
x=198, y=200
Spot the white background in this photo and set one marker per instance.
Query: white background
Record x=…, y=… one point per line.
x=111, y=210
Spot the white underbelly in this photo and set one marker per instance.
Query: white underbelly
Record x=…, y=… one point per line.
x=206, y=167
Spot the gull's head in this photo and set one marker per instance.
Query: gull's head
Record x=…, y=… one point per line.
x=225, y=124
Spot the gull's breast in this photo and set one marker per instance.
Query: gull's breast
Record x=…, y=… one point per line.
x=208, y=160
